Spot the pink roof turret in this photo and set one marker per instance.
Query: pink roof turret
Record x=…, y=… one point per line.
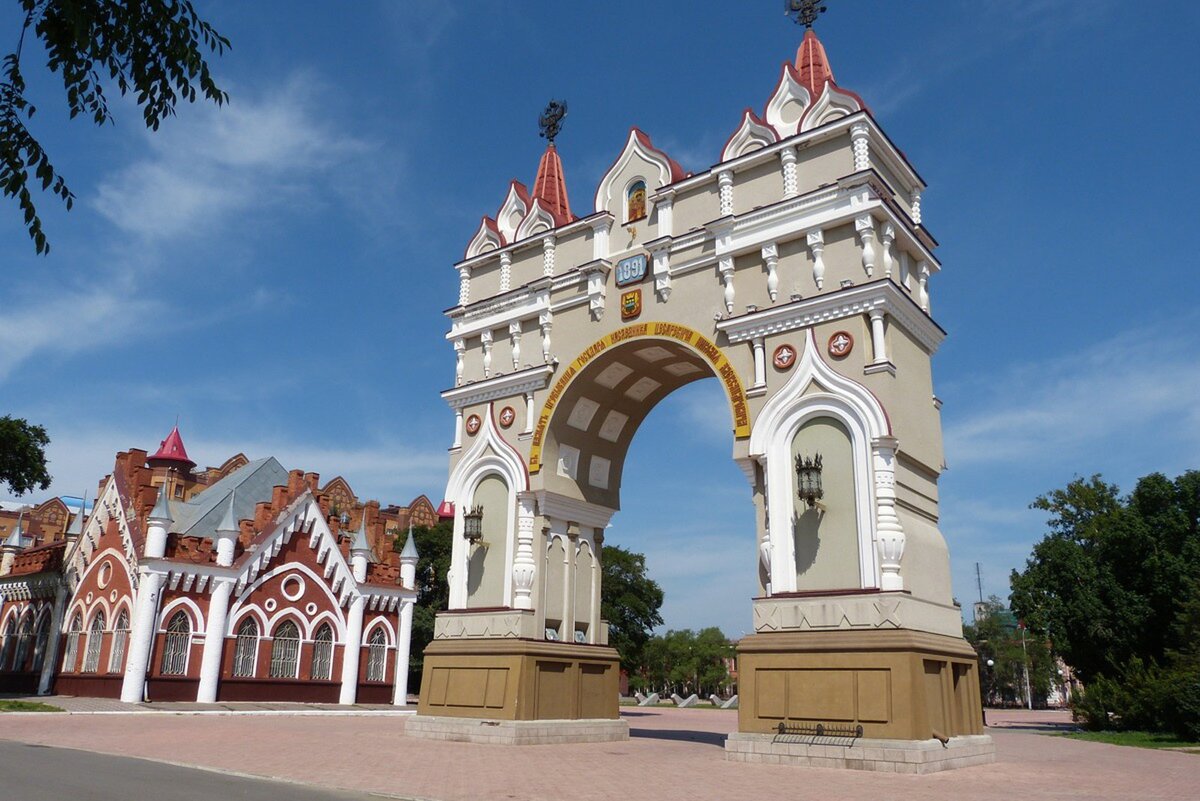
x=171, y=453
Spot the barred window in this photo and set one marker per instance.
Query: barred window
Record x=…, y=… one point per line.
x=179, y=641
x=285, y=651
x=10, y=644
x=322, y=659
x=377, y=656
x=39, y=646
x=116, y=659
x=71, y=653
x=23, y=641
x=95, y=638
x=245, y=654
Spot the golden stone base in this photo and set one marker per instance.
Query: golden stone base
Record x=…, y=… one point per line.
x=896, y=684
x=515, y=679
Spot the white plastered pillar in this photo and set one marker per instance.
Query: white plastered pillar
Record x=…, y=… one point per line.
x=888, y=529
x=50, y=658
x=403, y=650
x=141, y=638
x=878, y=340
x=524, y=563
x=214, y=640
x=352, y=650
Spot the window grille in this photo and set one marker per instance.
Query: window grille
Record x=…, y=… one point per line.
x=285, y=651
x=377, y=656
x=39, y=646
x=322, y=659
x=95, y=638
x=245, y=654
x=116, y=659
x=23, y=641
x=10, y=645
x=72, y=650
x=179, y=640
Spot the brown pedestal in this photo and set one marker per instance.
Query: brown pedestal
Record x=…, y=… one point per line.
x=896, y=684
x=515, y=679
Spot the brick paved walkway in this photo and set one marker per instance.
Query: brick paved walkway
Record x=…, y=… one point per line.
x=674, y=755
x=99, y=706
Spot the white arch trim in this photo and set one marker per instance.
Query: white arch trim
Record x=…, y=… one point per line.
x=634, y=147
x=859, y=411
x=389, y=631
x=264, y=618
x=751, y=134
x=789, y=90
x=831, y=105
x=170, y=609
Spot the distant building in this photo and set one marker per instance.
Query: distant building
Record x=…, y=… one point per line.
x=240, y=582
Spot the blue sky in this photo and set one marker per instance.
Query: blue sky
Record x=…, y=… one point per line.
x=274, y=272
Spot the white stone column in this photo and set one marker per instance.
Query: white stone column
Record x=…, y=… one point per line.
x=548, y=256
x=352, y=650
x=865, y=226
x=572, y=543
x=505, y=270
x=514, y=335
x=214, y=640
x=889, y=532
x=50, y=657
x=597, y=574
x=787, y=158
x=725, y=268
x=665, y=207
x=923, y=286
x=760, y=362
x=878, y=340
x=816, y=245
x=725, y=191
x=464, y=286
x=403, y=650
x=662, y=272
x=458, y=428
x=887, y=237
x=600, y=229
x=460, y=351
x=860, y=141
x=915, y=200
x=485, y=339
x=546, y=322
x=770, y=254
x=141, y=638
x=528, y=413
x=524, y=564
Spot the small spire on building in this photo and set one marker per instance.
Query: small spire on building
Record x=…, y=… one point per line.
x=229, y=522
x=813, y=65
x=171, y=452
x=410, y=545
x=550, y=186
x=15, y=537
x=162, y=508
x=360, y=541
x=76, y=527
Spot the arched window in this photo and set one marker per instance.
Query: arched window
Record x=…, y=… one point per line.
x=72, y=650
x=23, y=642
x=285, y=651
x=116, y=659
x=95, y=638
x=377, y=656
x=10, y=644
x=635, y=201
x=39, y=646
x=322, y=658
x=178, y=643
x=245, y=654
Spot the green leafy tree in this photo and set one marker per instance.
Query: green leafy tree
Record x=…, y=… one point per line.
x=151, y=49
x=684, y=662
x=996, y=637
x=433, y=591
x=630, y=601
x=23, y=455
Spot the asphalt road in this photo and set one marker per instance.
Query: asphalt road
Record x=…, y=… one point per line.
x=42, y=773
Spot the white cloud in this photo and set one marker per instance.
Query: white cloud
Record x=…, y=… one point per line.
x=1140, y=386
x=213, y=163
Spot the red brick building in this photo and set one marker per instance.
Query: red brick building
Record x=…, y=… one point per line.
x=240, y=582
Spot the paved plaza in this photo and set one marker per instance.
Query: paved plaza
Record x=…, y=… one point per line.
x=674, y=754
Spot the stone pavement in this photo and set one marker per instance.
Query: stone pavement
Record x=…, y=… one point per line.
x=674, y=755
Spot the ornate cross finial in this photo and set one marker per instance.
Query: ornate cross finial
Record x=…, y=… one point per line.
x=552, y=119
x=805, y=11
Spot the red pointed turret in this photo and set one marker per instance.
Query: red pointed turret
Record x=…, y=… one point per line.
x=550, y=187
x=812, y=65
x=171, y=453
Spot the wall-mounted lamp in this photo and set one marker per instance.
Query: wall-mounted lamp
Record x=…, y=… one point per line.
x=808, y=479
x=473, y=525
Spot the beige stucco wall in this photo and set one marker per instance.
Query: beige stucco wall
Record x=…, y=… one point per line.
x=486, y=567
x=826, y=536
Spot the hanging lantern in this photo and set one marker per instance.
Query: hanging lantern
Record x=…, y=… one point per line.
x=808, y=479
x=473, y=525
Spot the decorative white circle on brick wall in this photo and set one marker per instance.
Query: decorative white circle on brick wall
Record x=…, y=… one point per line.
x=88, y=598
x=270, y=605
x=310, y=608
x=292, y=587
x=112, y=596
x=104, y=575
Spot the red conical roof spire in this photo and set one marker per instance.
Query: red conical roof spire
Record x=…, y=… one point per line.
x=171, y=451
x=550, y=186
x=813, y=65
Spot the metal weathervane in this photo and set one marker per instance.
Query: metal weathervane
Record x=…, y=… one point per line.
x=551, y=120
x=805, y=11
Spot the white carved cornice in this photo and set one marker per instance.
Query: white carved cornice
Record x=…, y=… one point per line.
x=862, y=299
x=513, y=384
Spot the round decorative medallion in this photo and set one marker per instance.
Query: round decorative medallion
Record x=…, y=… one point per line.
x=840, y=344
x=292, y=587
x=88, y=598
x=270, y=604
x=310, y=609
x=784, y=358
x=112, y=596
x=507, y=417
x=105, y=575
x=473, y=424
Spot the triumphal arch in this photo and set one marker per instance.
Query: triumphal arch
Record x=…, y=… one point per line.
x=796, y=271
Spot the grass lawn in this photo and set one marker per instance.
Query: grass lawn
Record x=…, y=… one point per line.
x=1139, y=739
x=26, y=706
